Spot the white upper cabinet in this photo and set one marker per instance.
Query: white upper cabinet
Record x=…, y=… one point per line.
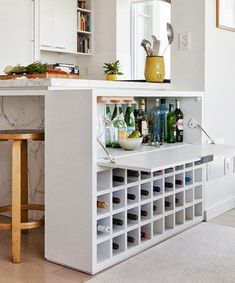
x=58, y=20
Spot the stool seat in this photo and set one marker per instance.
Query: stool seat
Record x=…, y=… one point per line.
x=22, y=135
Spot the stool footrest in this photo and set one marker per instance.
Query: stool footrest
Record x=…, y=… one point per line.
x=8, y=208
x=5, y=226
x=31, y=225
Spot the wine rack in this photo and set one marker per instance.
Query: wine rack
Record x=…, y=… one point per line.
x=148, y=208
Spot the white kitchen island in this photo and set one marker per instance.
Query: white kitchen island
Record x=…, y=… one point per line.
x=77, y=173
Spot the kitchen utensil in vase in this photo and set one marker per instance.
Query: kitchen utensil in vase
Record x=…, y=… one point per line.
x=147, y=46
x=170, y=36
x=156, y=46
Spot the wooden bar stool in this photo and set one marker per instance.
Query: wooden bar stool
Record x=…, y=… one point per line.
x=20, y=206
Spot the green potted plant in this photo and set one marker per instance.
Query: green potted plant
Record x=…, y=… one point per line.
x=112, y=70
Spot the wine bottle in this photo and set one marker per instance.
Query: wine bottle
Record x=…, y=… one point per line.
x=179, y=122
x=102, y=204
x=144, y=192
x=156, y=189
x=144, y=213
x=117, y=222
x=169, y=185
x=171, y=125
x=145, y=173
x=188, y=179
x=179, y=182
x=142, y=123
x=103, y=228
x=115, y=246
x=132, y=216
x=154, y=208
x=167, y=204
x=131, y=196
x=154, y=122
x=177, y=201
x=144, y=235
x=130, y=239
x=119, y=179
x=116, y=200
x=163, y=120
x=131, y=173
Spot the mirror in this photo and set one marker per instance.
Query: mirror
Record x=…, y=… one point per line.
x=149, y=17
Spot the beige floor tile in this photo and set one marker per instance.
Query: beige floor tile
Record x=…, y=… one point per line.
x=224, y=219
x=231, y=212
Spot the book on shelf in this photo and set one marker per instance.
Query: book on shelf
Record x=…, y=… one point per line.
x=84, y=22
x=83, y=44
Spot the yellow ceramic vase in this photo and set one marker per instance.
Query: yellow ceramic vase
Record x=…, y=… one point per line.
x=154, y=69
x=111, y=77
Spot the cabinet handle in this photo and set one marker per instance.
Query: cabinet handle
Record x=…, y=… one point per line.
x=44, y=45
x=59, y=47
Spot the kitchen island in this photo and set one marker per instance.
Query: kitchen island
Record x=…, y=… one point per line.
x=77, y=173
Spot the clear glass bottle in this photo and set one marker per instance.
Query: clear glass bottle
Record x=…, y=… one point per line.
x=163, y=120
x=155, y=118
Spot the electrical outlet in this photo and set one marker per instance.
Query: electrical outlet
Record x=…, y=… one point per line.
x=227, y=166
x=192, y=124
x=184, y=41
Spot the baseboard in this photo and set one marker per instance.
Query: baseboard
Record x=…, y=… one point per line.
x=219, y=208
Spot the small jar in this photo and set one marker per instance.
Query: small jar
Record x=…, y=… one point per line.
x=154, y=69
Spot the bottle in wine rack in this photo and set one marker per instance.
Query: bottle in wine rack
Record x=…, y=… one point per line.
x=116, y=200
x=167, y=203
x=132, y=216
x=169, y=185
x=102, y=204
x=144, y=213
x=144, y=235
x=179, y=182
x=144, y=192
x=115, y=246
x=156, y=189
x=131, y=196
x=130, y=239
x=177, y=201
x=131, y=173
x=188, y=180
x=103, y=228
x=117, y=222
x=154, y=208
x=119, y=179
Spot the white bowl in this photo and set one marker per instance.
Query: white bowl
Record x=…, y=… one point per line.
x=130, y=143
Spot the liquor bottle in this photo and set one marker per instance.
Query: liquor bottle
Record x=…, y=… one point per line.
x=108, y=127
x=156, y=189
x=130, y=239
x=144, y=192
x=179, y=182
x=136, y=114
x=169, y=185
x=144, y=213
x=103, y=228
x=144, y=235
x=143, y=121
x=163, y=120
x=102, y=204
x=130, y=119
x=119, y=179
x=117, y=222
x=179, y=123
x=116, y=200
x=119, y=126
x=171, y=125
x=154, y=123
x=131, y=196
x=132, y=216
x=115, y=246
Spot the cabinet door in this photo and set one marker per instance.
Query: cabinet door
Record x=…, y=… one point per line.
x=46, y=24
x=64, y=25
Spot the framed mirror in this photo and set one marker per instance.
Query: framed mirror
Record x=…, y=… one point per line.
x=225, y=14
x=149, y=18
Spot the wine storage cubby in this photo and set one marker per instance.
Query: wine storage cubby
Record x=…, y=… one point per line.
x=144, y=208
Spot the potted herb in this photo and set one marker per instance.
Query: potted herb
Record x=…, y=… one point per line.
x=112, y=70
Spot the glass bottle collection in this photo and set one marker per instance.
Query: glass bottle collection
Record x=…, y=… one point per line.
x=160, y=124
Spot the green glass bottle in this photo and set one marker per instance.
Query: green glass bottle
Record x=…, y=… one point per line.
x=179, y=122
x=171, y=125
x=130, y=119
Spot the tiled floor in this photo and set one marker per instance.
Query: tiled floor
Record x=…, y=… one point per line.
x=34, y=269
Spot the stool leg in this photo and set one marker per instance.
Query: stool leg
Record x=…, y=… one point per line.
x=24, y=181
x=16, y=201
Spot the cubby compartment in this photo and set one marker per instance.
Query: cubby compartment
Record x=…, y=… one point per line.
x=145, y=232
x=169, y=203
x=189, y=213
x=169, y=222
x=179, y=217
x=158, y=207
x=189, y=178
x=118, y=199
x=169, y=170
x=145, y=191
x=133, y=216
x=103, y=204
x=118, y=177
x=145, y=175
x=145, y=211
x=132, y=176
x=158, y=173
x=179, y=167
x=179, y=181
x=198, y=210
x=118, y=221
x=169, y=184
x=103, y=225
x=198, y=163
x=103, y=251
x=188, y=165
x=198, y=175
x=118, y=244
x=133, y=238
x=198, y=192
x=104, y=180
x=158, y=227
x=179, y=199
x=189, y=196
x=157, y=187
x=132, y=195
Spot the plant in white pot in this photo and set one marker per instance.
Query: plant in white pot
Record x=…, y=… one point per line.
x=112, y=70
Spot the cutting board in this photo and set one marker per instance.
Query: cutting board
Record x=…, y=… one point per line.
x=40, y=76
